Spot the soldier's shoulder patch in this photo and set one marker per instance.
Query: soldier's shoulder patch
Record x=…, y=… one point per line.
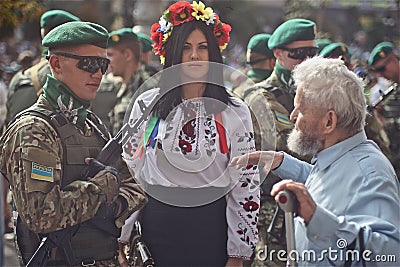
x=282, y=118
x=42, y=172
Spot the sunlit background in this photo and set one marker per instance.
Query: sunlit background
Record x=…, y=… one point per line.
x=359, y=24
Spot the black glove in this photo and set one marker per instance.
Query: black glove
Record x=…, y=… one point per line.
x=95, y=166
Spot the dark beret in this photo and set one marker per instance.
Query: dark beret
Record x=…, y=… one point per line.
x=147, y=43
x=76, y=33
x=321, y=43
x=380, y=51
x=121, y=35
x=259, y=44
x=335, y=49
x=53, y=18
x=291, y=31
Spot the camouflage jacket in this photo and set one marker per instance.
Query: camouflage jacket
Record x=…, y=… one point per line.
x=106, y=98
x=127, y=94
x=30, y=146
x=272, y=102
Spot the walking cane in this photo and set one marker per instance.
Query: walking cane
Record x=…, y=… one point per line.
x=288, y=203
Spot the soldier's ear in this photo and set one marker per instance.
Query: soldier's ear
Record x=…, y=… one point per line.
x=54, y=62
x=278, y=53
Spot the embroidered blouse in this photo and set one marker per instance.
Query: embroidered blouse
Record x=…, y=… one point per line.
x=191, y=149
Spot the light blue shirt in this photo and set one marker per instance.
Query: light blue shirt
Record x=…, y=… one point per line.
x=354, y=186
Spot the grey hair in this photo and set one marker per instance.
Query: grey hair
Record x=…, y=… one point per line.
x=327, y=84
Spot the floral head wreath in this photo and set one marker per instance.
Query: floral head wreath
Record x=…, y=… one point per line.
x=182, y=12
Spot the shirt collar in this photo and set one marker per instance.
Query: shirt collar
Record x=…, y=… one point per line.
x=327, y=156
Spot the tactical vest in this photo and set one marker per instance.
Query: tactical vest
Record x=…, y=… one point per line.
x=89, y=243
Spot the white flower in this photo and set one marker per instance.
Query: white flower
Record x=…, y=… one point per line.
x=211, y=19
x=165, y=26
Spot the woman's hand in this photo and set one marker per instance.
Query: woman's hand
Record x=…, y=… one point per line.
x=234, y=262
x=307, y=205
x=269, y=159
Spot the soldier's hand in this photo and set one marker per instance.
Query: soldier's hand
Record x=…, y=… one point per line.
x=105, y=177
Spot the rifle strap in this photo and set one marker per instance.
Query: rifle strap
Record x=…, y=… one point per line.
x=35, y=76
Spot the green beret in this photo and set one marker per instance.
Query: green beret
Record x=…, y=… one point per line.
x=121, y=35
x=321, y=43
x=380, y=51
x=53, y=18
x=335, y=50
x=259, y=44
x=76, y=33
x=147, y=43
x=291, y=31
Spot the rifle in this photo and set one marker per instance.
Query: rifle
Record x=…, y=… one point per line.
x=139, y=254
x=383, y=95
x=109, y=154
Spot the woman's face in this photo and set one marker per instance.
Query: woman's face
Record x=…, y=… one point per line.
x=195, y=55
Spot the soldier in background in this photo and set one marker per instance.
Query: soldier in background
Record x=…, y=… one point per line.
x=385, y=63
x=292, y=42
x=48, y=151
x=124, y=50
x=373, y=127
x=147, y=47
x=261, y=60
x=26, y=85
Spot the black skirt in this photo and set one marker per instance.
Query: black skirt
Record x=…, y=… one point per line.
x=185, y=236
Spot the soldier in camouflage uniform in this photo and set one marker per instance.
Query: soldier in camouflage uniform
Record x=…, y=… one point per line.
x=26, y=85
x=48, y=151
x=373, y=127
x=124, y=52
x=147, y=47
x=292, y=42
x=385, y=62
x=261, y=60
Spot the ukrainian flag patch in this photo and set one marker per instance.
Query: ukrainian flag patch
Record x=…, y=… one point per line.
x=282, y=118
x=42, y=172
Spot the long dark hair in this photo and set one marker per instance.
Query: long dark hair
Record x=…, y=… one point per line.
x=173, y=56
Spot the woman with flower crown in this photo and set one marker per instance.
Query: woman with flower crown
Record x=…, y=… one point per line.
x=201, y=212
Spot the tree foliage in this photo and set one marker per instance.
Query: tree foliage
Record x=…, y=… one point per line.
x=15, y=12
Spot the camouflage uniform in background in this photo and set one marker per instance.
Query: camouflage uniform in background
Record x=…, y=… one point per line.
x=25, y=87
x=126, y=94
x=106, y=98
x=391, y=112
x=48, y=203
x=272, y=95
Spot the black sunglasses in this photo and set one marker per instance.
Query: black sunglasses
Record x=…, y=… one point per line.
x=301, y=52
x=90, y=64
x=383, y=67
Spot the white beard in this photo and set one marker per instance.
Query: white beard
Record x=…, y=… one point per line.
x=303, y=143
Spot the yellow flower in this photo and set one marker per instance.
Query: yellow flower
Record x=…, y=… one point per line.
x=201, y=12
x=162, y=59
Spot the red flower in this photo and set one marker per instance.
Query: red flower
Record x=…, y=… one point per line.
x=185, y=146
x=221, y=32
x=157, y=37
x=180, y=12
x=250, y=206
x=188, y=128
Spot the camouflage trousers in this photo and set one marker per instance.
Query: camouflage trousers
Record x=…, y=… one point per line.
x=269, y=242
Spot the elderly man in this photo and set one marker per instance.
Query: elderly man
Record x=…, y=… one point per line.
x=350, y=195
x=47, y=155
